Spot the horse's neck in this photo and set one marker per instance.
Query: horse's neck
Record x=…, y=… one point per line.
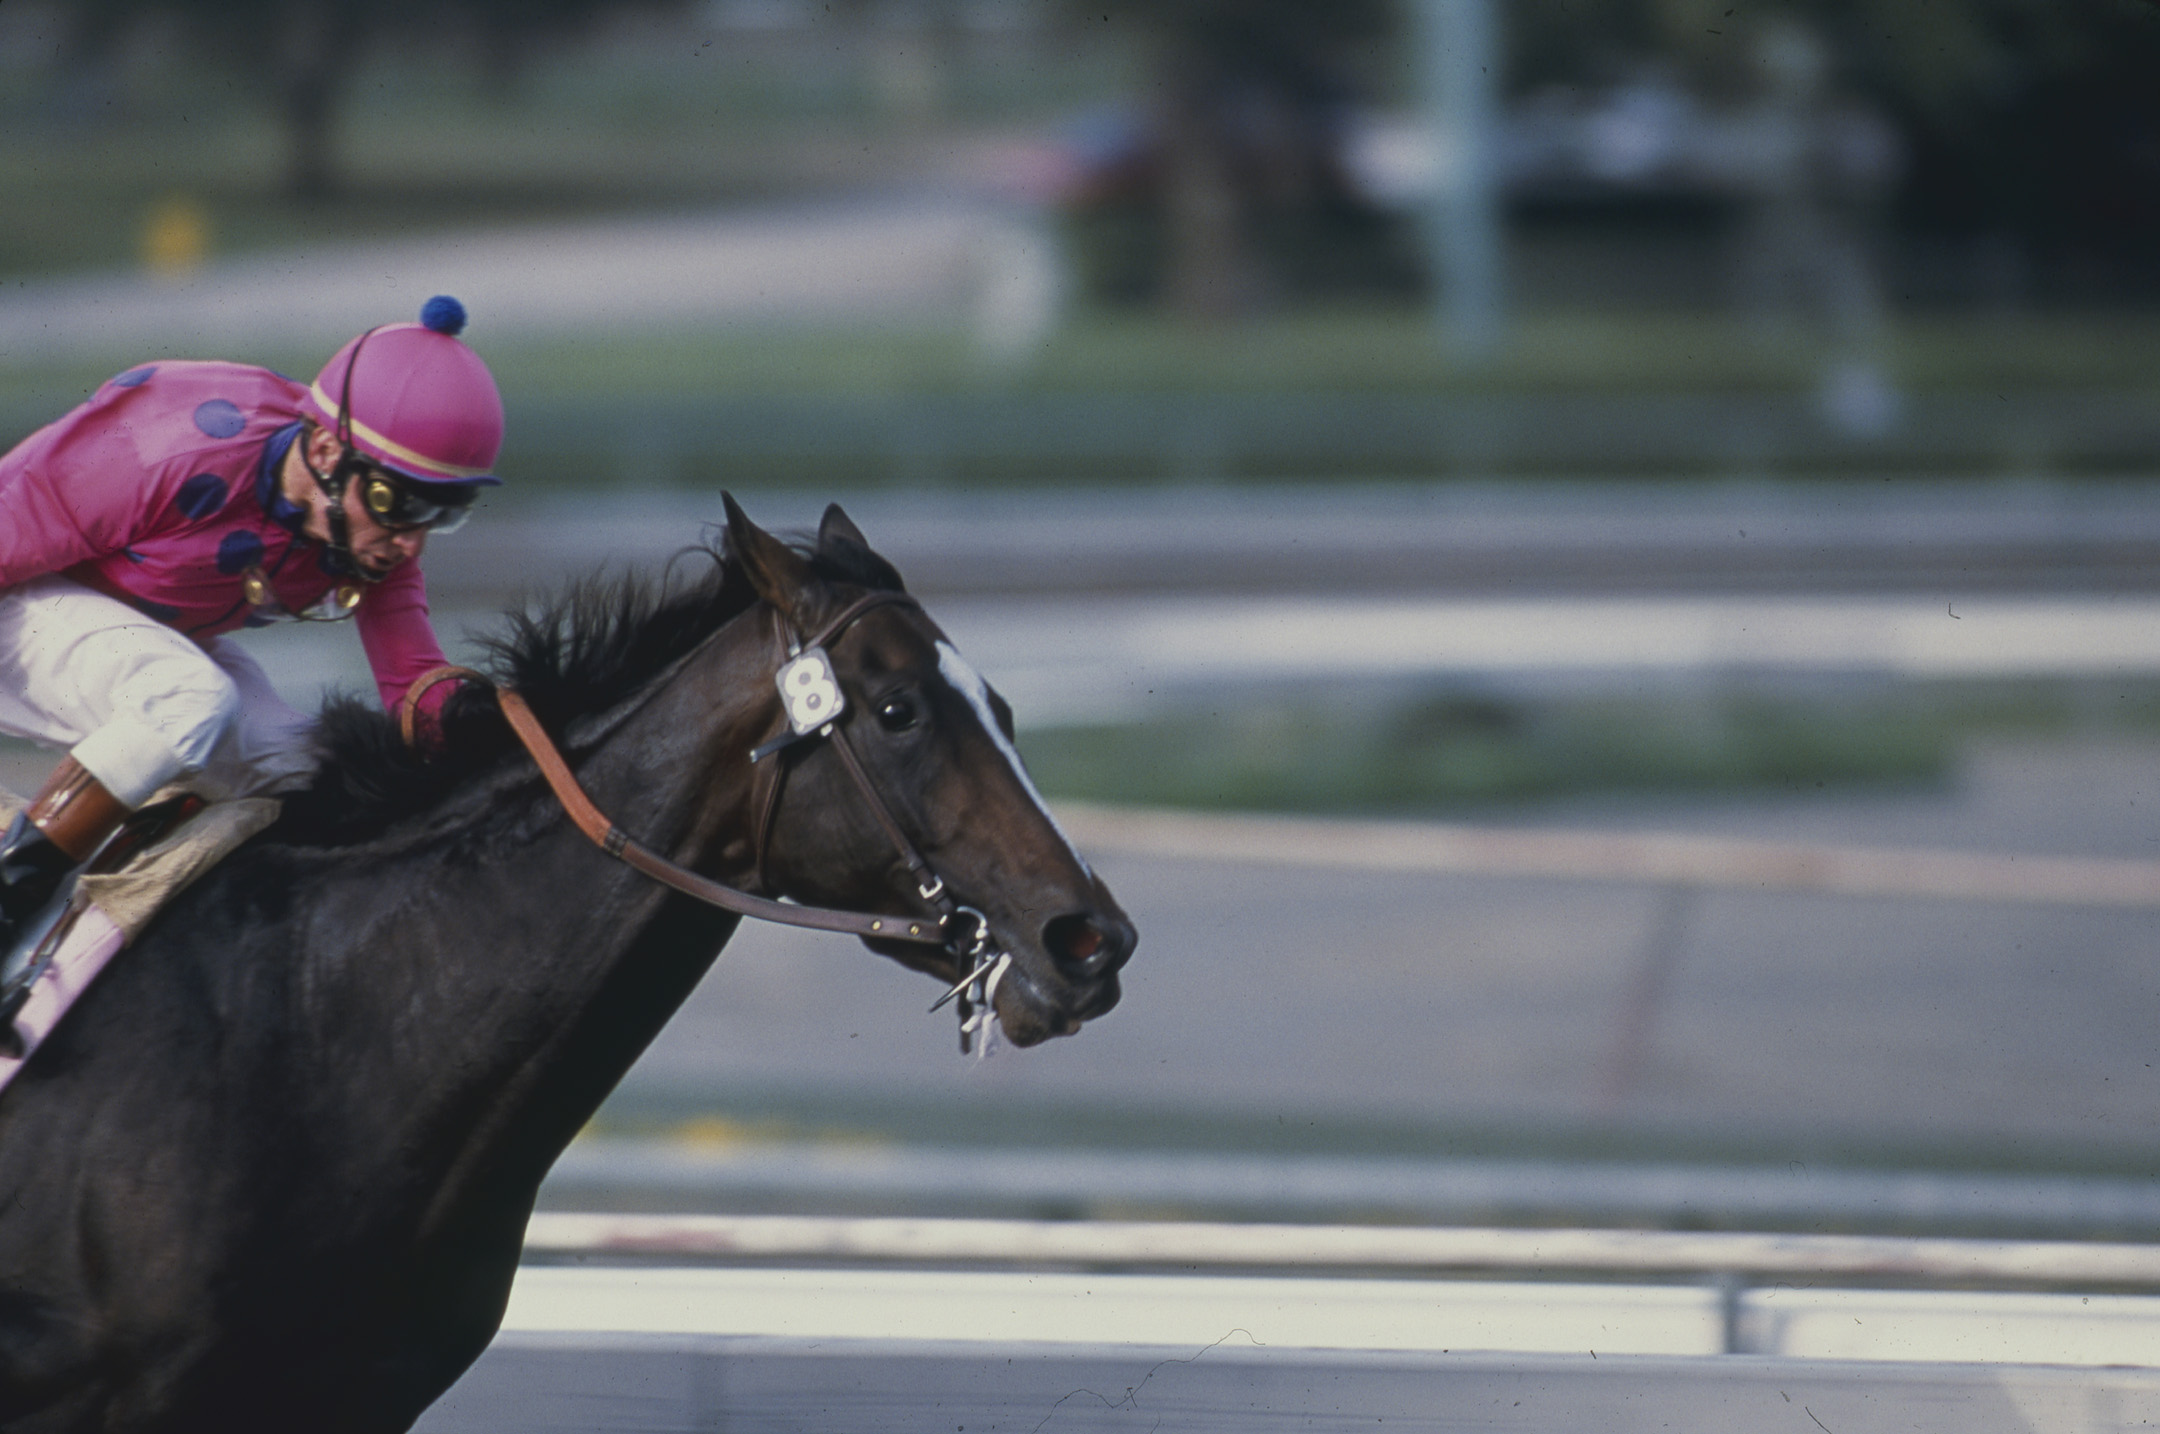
x=579, y=960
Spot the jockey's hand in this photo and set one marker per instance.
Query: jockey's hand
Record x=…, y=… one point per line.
x=441, y=705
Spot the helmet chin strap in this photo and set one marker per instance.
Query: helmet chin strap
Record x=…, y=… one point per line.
x=335, y=483
x=333, y=486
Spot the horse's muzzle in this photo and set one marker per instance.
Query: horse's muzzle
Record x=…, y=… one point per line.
x=1085, y=949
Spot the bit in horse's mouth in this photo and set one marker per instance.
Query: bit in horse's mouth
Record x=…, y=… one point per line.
x=1030, y=1015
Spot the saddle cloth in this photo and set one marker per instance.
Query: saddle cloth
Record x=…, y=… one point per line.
x=107, y=910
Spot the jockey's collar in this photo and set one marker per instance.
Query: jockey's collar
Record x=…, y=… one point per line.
x=280, y=509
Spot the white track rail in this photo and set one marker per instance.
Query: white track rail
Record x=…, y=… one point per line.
x=1401, y=1249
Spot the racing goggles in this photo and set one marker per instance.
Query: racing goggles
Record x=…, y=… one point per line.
x=405, y=506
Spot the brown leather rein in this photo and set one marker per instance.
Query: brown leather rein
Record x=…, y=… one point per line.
x=612, y=839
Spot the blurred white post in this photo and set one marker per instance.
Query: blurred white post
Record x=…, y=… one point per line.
x=1019, y=287
x=1460, y=68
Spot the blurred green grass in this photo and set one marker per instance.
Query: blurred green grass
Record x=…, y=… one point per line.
x=1338, y=350
x=1343, y=349
x=1450, y=751
x=1009, y=1120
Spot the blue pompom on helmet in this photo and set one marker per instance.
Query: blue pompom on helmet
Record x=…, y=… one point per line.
x=444, y=315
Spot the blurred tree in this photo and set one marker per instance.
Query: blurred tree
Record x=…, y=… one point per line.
x=2034, y=124
x=2040, y=122
x=308, y=49
x=1233, y=187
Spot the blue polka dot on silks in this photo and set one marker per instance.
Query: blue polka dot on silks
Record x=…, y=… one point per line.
x=135, y=377
x=163, y=612
x=238, y=551
x=200, y=496
x=219, y=417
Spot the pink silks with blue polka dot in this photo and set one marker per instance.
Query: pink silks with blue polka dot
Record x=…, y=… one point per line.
x=156, y=492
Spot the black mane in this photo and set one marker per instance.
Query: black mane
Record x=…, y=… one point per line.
x=573, y=655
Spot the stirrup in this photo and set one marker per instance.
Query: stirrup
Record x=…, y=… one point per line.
x=11, y=1003
x=14, y=995
x=30, y=947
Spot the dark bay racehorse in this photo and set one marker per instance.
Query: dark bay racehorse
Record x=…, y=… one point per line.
x=273, y=1171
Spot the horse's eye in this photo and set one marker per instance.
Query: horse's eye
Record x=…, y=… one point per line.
x=896, y=714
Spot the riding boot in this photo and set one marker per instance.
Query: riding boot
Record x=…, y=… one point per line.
x=62, y=828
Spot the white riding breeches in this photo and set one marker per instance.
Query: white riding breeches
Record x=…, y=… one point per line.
x=138, y=704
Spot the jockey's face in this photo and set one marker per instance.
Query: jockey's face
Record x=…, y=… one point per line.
x=375, y=547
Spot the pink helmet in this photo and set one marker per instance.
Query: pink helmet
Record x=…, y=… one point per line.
x=417, y=401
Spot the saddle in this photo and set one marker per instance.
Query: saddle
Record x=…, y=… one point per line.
x=156, y=854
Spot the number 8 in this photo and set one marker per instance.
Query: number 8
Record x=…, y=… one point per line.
x=808, y=689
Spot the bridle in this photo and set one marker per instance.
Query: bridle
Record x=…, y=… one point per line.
x=805, y=671
x=813, y=705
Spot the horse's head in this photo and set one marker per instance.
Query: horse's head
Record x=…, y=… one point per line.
x=934, y=745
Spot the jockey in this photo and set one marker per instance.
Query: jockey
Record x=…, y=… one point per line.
x=185, y=500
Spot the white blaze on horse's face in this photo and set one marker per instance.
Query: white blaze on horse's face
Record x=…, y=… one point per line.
x=968, y=683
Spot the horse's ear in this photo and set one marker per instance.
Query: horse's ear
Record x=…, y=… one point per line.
x=837, y=527
x=776, y=571
x=844, y=552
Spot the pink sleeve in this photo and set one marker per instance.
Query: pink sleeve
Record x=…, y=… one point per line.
x=399, y=638
x=70, y=492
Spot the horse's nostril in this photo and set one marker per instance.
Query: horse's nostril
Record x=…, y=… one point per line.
x=1082, y=946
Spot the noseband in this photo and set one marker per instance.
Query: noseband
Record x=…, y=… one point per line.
x=812, y=703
